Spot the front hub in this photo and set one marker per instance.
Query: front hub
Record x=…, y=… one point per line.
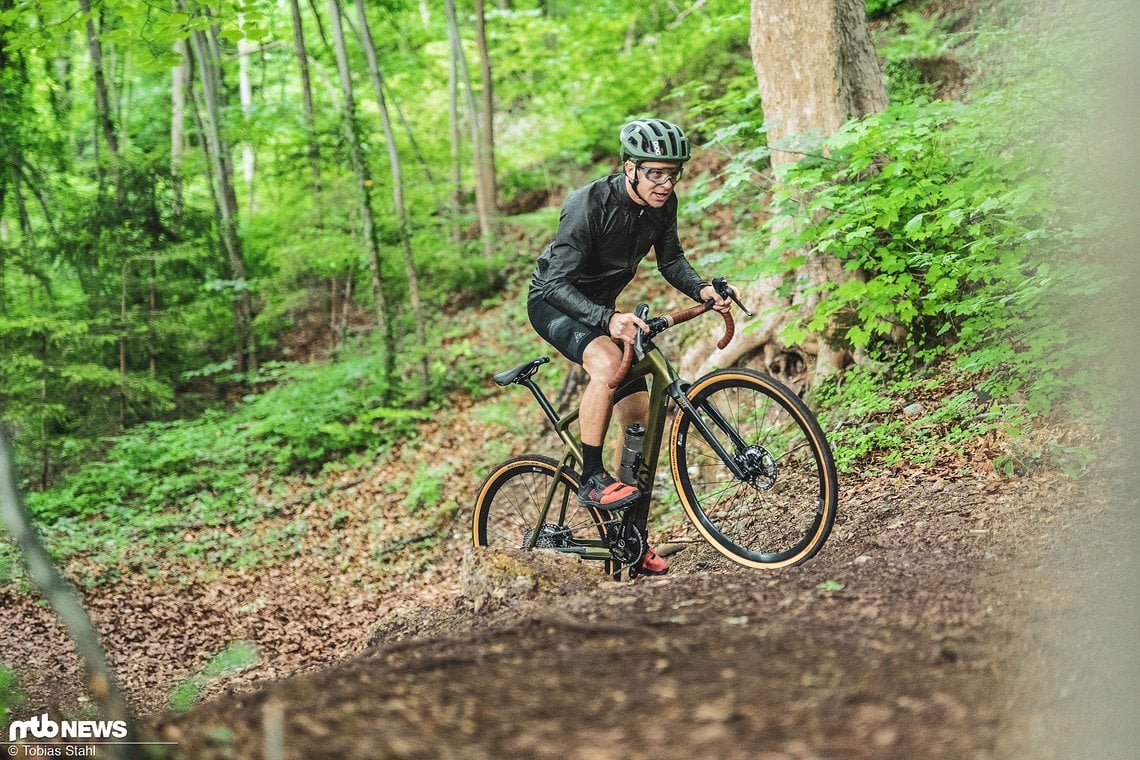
x=758, y=466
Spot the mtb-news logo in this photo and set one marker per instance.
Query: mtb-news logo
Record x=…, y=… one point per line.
x=43, y=727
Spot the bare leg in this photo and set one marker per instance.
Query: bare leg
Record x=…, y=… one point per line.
x=601, y=360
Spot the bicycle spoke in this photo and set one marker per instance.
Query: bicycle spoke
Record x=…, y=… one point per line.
x=510, y=504
x=777, y=512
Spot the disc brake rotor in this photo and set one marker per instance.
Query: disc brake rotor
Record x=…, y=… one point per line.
x=759, y=467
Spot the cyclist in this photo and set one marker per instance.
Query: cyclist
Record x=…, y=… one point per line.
x=605, y=230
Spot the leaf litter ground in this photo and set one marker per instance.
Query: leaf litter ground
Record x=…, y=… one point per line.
x=925, y=628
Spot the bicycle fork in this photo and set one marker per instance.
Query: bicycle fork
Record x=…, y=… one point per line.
x=678, y=392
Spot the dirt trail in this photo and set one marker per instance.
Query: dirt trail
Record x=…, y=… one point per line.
x=947, y=617
x=920, y=653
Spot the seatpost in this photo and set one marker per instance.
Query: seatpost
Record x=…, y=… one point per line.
x=540, y=397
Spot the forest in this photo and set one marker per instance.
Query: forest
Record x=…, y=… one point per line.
x=198, y=200
x=252, y=251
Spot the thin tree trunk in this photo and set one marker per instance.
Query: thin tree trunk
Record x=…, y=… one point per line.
x=218, y=150
x=482, y=202
x=346, y=302
x=397, y=199
x=123, y=93
x=364, y=183
x=96, y=156
x=221, y=93
x=102, y=102
x=45, y=455
x=215, y=200
x=3, y=257
x=453, y=122
x=178, y=80
x=487, y=171
x=152, y=314
x=245, y=91
x=61, y=595
x=123, y=347
x=306, y=96
x=334, y=294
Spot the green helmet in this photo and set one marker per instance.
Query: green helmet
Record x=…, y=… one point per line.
x=653, y=140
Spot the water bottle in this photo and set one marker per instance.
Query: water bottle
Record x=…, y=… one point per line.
x=631, y=454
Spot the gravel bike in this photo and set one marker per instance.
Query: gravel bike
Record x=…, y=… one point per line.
x=751, y=466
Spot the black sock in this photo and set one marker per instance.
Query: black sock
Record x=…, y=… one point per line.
x=591, y=460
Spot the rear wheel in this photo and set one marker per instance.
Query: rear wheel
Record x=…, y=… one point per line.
x=782, y=509
x=510, y=502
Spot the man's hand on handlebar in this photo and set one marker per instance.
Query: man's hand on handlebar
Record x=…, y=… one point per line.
x=624, y=327
x=720, y=303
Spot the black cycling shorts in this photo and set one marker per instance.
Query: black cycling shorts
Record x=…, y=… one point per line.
x=571, y=337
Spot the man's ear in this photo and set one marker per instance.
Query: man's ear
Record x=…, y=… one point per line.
x=629, y=168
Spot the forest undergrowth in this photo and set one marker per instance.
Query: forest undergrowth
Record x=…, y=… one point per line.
x=322, y=512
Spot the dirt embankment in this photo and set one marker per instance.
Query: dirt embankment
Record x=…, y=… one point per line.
x=924, y=629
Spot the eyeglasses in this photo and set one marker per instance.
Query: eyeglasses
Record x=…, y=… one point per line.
x=661, y=176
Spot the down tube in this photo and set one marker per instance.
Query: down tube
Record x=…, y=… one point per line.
x=655, y=365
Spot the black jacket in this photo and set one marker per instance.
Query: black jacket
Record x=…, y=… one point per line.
x=602, y=237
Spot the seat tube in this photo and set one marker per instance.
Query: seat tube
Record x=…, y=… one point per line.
x=553, y=489
x=659, y=369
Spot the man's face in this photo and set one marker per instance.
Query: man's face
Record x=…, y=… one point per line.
x=655, y=180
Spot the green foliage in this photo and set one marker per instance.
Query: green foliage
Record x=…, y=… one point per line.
x=907, y=40
x=235, y=657
x=11, y=696
x=427, y=486
x=312, y=416
x=884, y=418
x=135, y=301
x=880, y=8
x=954, y=240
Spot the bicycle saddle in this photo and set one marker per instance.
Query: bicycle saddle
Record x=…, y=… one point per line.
x=522, y=372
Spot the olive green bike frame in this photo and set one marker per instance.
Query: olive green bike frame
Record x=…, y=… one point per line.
x=665, y=384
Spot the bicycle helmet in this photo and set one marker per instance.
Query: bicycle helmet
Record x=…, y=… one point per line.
x=653, y=140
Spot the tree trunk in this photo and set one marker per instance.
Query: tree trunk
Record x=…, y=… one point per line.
x=45, y=454
x=151, y=316
x=453, y=122
x=102, y=102
x=3, y=257
x=482, y=202
x=122, y=93
x=222, y=169
x=815, y=68
x=123, y=347
x=178, y=80
x=245, y=91
x=314, y=151
x=487, y=171
x=63, y=598
x=364, y=185
x=397, y=199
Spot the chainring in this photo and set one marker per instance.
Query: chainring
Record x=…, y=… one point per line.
x=626, y=544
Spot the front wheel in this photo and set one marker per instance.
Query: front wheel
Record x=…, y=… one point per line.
x=777, y=509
